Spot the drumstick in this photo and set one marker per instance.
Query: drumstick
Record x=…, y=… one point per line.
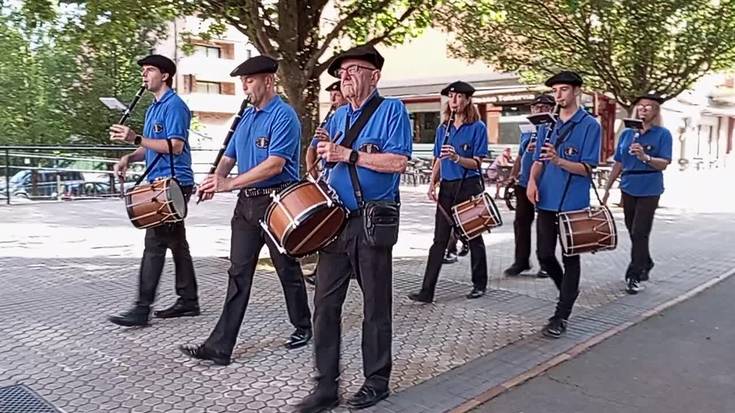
x=319, y=159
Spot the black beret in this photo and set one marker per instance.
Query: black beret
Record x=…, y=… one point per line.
x=255, y=65
x=651, y=96
x=366, y=53
x=544, y=100
x=163, y=63
x=459, y=87
x=334, y=87
x=565, y=77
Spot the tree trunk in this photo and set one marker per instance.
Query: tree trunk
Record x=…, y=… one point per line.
x=303, y=95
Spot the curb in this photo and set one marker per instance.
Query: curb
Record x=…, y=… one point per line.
x=580, y=348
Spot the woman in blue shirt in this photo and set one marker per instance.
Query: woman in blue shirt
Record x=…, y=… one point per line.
x=457, y=163
x=641, y=157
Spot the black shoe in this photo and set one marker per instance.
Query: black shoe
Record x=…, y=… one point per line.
x=632, y=286
x=516, y=269
x=367, y=396
x=542, y=274
x=299, y=338
x=138, y=316
x=475, y=293
x=464, y=250
x=317, y=402
x=420, y=297
x=310, y=279
x=449, y=258
x=644, y=274
x=202, y=353
x=556, y=327
x=179, y=309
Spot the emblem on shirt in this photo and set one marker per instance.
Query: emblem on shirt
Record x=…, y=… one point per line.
x=466, y=147
x=648, y=148
x=370, y=148
x=570, y=151
x=262, y=142
x=157, y=127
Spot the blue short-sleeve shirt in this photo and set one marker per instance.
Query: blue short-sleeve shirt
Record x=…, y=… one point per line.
x=273, y=130
x=169, y=118
x=580, y=144
x=387, y=131
x=638, y=178
x=526, y=157
x=469, y=140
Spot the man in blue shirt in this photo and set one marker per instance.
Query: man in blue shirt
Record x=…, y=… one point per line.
x=375, y=159
x=525, y=213
x=641, y=157
x=560, y=182
x=167, y=120
x=265, y=146
x=459, y=147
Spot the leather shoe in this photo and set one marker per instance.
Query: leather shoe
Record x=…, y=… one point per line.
x=317, y=402
x=202, y=353
x=310, y=278
x=138, y=316
x=464, y=250
x=516, y=269
x=179, y=309
x=420, y=297
x=449, y=258
x=542, y=274
x=299, y=338
x=367, y=396
x=475, y=293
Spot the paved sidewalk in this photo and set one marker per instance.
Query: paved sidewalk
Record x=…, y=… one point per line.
x=66, y=266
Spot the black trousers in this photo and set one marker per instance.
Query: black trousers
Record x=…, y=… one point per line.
x=374, y=271
x=525, y=212
x=639, y=212
x=157, y=241
x=245, y=244
x=566, y=279
x=442, y=231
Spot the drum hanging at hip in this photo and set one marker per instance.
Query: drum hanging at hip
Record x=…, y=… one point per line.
x=587, y=230
x=476, y=215
x=155, y=204
x=304, y=218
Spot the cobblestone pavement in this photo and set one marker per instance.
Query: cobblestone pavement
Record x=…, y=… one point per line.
x=54, y=301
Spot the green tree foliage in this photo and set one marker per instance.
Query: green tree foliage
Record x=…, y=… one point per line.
x=624, y=47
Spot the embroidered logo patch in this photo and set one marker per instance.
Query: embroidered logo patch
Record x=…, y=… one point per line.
x=157, y=127
x=262, y=142
x=648, y=148
x=369, y=148
x=570, y=151
x=466, y=147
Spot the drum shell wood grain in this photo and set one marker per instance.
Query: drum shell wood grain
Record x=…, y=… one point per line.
x=300, y=208
x=151, y=205
x=476, y=215
x=587, y=231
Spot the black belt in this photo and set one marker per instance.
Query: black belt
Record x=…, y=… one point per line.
x=640, y=172
x=253, y=192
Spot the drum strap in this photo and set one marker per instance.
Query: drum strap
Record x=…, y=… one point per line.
x=155, y=161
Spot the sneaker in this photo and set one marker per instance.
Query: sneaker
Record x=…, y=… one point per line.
x=633, y=287
x=555, y=328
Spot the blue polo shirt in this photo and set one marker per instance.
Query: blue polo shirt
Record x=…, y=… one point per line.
x=580, y=144
x=526, y=157
x=169, y=118
x=274, y=130
x=469, y=140
x=387, y=131
x=639, y=179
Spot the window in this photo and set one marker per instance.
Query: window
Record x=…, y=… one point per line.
x=424, y=126
x=212, y=88
x=207, y=51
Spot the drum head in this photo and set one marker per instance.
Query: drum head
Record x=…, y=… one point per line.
x=178, y=202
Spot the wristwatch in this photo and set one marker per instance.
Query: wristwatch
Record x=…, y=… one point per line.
x=138, y=139
x=353, y=157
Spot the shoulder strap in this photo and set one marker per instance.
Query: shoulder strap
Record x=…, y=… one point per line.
x=351, y=133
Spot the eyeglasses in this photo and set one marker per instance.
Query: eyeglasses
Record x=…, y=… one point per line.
x=646, y=107
x=352, y=70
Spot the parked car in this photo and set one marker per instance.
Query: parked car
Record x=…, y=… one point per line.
x=33, y=184
x=86, y=190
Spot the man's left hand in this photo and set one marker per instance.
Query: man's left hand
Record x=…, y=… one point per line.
x=216, y=183
x=331, y=152
x=122, y=133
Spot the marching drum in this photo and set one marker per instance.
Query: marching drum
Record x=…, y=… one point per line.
x=304, y=218
x=158, y=203
x=476, y=215
x=587, y=230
